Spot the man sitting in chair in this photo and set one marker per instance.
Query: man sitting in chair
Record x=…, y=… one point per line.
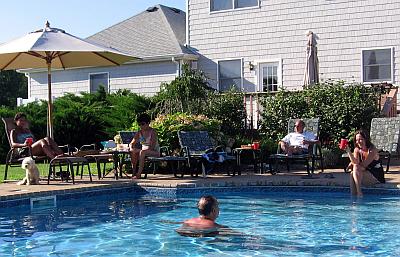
x=297, y=142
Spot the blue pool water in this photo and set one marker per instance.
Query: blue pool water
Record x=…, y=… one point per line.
x=268, y=224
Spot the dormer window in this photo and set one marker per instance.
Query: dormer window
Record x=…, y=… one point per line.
x=222, y=5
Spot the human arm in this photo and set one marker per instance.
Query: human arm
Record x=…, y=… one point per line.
x=353, y=156
x=14, y=143
x=153, y=139
x=134, y=141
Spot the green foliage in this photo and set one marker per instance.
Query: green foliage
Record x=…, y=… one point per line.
x=229, y=109
x=167, y=127
x=12, y=85
x=341, y=109
x=186, y=93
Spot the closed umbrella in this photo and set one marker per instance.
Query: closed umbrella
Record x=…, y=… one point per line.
x=54, y=48
x=311, y=76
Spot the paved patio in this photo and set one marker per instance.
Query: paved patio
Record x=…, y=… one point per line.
x=330, y=177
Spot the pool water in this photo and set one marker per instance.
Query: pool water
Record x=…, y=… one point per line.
x=268, y=224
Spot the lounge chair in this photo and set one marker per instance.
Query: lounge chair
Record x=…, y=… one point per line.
x=13, y=157
x=195, y=144
x=314, y=154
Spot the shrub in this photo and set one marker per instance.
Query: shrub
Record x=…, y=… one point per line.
x=167, y=127
x=341, y=110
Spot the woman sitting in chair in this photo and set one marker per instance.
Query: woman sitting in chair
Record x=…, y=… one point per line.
x=21, y=137
x=367, y=167
x=143, y=144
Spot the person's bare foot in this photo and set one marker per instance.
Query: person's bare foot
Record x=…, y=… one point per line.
x=360, y=195
x=137, y=176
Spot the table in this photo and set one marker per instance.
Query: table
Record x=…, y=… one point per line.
x=68, y=161
x=257, y=157
x=118, y=155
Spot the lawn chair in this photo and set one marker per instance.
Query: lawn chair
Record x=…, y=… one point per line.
x=13, y=158
x=195, y=144
x=314, y=153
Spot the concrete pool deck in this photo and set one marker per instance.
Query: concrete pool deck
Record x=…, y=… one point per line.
x=329, y=178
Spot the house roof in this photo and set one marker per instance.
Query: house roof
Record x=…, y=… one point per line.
x=160, y=31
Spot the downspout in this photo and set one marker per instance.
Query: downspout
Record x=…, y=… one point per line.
x=178, y=66
x=187, y=24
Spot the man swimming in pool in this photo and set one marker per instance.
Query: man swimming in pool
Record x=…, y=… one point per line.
x=205, y=224
x=208, y=210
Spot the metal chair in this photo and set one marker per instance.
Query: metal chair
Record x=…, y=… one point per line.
x=314, y=154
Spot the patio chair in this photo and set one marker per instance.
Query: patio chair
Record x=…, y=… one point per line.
x=13, y=158
x=194, y=144
x=314, y=154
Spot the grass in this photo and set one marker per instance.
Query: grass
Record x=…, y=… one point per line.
x=17, y=173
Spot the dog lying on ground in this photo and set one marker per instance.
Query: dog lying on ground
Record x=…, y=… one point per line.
x=32, y=172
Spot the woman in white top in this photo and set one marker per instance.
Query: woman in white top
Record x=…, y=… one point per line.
x=143, y=144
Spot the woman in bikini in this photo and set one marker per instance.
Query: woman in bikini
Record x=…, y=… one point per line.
x=143, y=144
x=19, y=135
x=367, y=167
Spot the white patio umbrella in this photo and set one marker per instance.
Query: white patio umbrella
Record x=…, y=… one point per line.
x=311, y=73
x=54, y=48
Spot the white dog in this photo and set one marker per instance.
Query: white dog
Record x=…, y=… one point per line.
x=32, y=172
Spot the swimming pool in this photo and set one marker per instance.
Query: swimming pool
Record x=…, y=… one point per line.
x=267, y=224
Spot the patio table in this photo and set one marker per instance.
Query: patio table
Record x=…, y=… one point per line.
x=256, y=154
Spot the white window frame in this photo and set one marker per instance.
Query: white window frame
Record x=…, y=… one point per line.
x=97, y=73
x=391, y=48
x=234, y=8
x=259, y=63
x=241, y=71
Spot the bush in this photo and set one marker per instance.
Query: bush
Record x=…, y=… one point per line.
x=167, y=127
x=341, y=110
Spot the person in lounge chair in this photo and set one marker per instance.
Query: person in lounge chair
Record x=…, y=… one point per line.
x=366, y=165
x=21, y=136
x=298, y=141
x=143, y=144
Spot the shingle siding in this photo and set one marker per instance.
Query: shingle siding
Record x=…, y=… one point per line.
x=143, y=78
x=276, y=30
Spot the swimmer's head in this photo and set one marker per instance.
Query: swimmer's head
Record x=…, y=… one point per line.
x=208, y=207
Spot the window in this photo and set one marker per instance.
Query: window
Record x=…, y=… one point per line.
x=229, y=74
x=98, y=80
x=269, y=76
x=220, y=5
x=377, y=65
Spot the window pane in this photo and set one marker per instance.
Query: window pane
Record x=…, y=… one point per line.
x=97, y=80
x=227, y=84
x=270, y=76
x=217, y=5
x=230, y=69
x=377, y=65
x=245, y=3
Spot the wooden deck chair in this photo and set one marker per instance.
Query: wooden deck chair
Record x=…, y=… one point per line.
x=195, y=144
x=13, y=157
x=314, y=154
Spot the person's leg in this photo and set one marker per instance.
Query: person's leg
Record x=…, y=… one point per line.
x=54, y=146
x=41, y=147
x=286, y=148
x=142, y=156
x=358, y=177
x=134, y=159
x=353, y=189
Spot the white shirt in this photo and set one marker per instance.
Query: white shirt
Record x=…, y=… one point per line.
x=296, y=139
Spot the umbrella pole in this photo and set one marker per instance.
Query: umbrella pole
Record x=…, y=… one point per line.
x=49, y=102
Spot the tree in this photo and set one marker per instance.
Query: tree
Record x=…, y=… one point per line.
x=12, y=85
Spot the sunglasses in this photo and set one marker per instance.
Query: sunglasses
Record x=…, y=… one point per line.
x=142, y=123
